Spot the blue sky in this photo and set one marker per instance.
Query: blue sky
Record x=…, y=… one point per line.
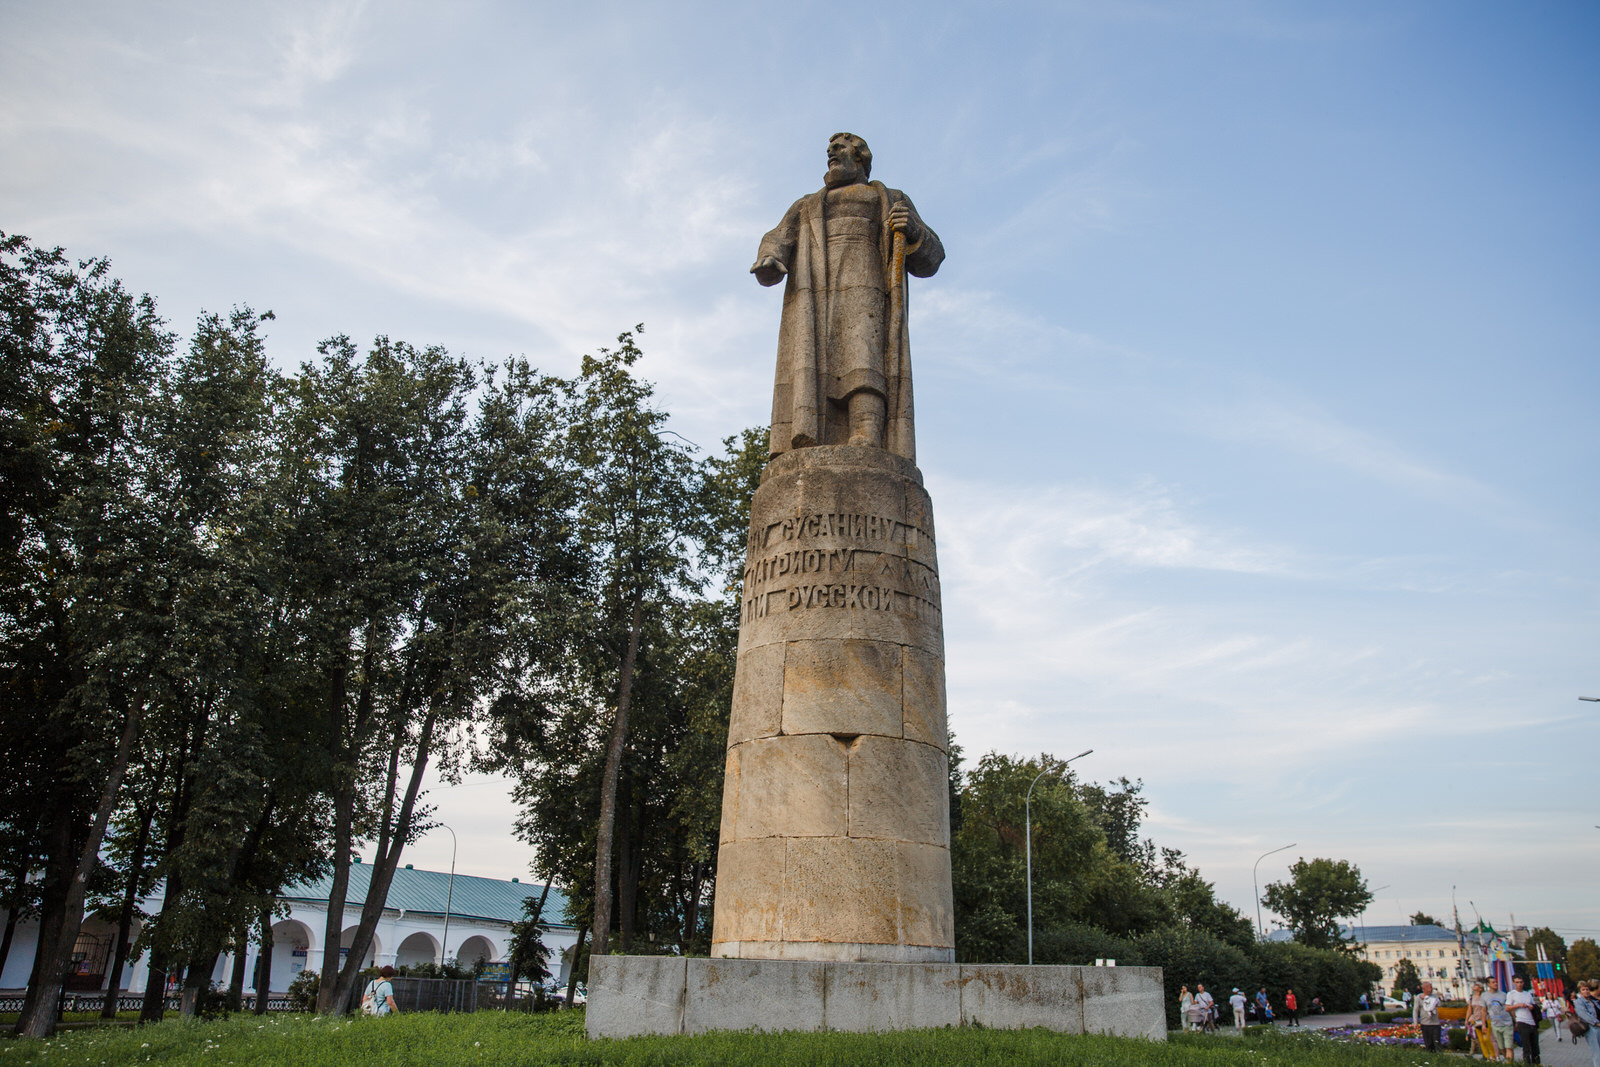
x=1256, y=395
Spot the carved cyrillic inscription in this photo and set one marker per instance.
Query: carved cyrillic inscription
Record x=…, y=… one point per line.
x=849, y=526
x=798, y=563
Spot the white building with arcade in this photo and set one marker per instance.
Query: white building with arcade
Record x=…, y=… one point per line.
x=429, y=916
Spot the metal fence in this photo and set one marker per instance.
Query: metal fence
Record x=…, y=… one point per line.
x=91, y=1002
x=434, y=994
x=410, y=994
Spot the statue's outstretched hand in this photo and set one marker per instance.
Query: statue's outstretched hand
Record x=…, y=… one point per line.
x=768, y=270
x=902, y=221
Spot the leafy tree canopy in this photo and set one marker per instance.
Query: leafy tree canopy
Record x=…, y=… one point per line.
x=1406, y=978
x=1583, y=960
x=1317, y=895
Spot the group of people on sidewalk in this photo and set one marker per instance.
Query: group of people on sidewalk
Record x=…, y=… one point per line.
x=1500, y=1020
x=1199, y=1011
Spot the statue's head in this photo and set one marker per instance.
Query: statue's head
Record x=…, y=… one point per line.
x=849, y=160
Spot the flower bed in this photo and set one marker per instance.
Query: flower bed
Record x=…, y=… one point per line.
x=1395, y=1034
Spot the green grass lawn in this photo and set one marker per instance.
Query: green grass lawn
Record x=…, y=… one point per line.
x=495, y=1039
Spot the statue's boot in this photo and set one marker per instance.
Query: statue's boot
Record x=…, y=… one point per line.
x=866, y=419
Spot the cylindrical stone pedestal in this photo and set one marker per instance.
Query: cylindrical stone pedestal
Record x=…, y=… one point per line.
x=835, y=816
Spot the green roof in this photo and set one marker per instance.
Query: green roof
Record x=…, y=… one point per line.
x=425, y=892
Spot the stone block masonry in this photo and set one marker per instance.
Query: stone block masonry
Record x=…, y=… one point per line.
x=633, y=995
x=835, y=841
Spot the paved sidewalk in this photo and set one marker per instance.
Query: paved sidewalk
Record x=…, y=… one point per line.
x=1551, y=1053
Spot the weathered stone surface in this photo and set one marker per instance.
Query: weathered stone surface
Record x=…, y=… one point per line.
x=863, y=997
x=842, y=687
x=841, y=636
x=841, y=551
x=899, y=790
x=841, y=627
x=758, y=869
x=923, y=709
x=846, y=248
x=789, y=787
x=1126, y=1001
x=633, y=995
x=724, y=994
x=832, y=951
x=1004, y=997
x=757, y=694
x=868, y=891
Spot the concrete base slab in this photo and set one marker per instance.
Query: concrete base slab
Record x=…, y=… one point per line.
x=632, y=995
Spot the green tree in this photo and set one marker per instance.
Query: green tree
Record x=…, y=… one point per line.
x=1316, y=896
x=529, y=954
x=1073, y=868
x=82, y=587
x=1406, y=978
x=1422, y=918
x=636, y=493
x=1555, y=946
x=1583, y=960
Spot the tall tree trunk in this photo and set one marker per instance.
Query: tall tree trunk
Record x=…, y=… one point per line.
x=241, y=953
x=130, y=902
x=264, y=962
x=601, y=932
x=40, y=1020
x=383, y=869
x=691, y=914
x=627, y=886
x=198, y=981
x=5, y=939
x=154, y=1006
x=572, y=975
x=155, y=983
x=344, y=803
x=19, y=882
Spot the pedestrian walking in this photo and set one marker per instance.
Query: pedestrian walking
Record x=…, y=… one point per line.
x=379, y=996
x=1521, y=1004
x=1208, y=1008
x=1263, y=1007
x=1554, y=1008
x=1500, y=1021
x=1478, y=1024
x=1425, y=1013
x=1186, y=1012
x=1291, y=1008
x=1586, y=1010
x=1236, y=1002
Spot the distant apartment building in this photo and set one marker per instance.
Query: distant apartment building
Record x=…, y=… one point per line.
x=1433, y=950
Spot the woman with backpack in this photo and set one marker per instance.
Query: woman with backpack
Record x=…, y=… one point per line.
x=379, y=997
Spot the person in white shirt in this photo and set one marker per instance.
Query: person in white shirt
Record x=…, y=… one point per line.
x=1554, y=1009
x=1208, y=1008
x=1237, y=1003
x=1520, y=1003
x=1425, y=1013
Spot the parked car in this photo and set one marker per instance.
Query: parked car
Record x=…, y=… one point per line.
x=1391, y=1004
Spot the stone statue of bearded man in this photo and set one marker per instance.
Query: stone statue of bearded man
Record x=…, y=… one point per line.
x=844, y=359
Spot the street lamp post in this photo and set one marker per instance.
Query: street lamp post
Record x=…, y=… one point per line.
x=449, y=897
x=1261, y=929
x=1027, y=818
x=1375, y=892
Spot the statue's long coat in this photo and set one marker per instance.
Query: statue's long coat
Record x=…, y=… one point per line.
x=838, y=313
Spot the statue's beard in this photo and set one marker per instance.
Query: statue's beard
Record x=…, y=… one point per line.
x=842, y=173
